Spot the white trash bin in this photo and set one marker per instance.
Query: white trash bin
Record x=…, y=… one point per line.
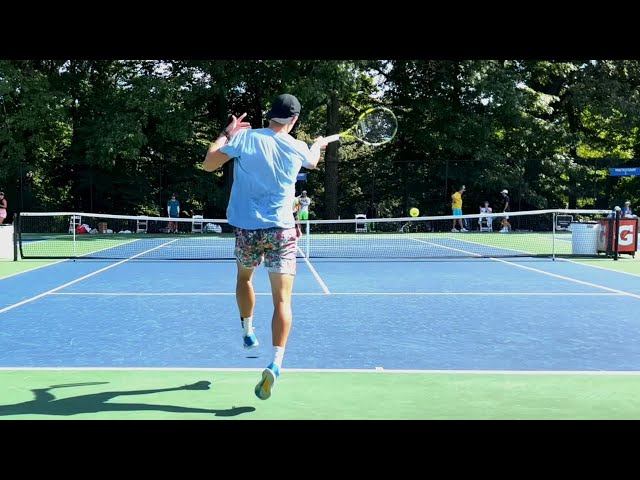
x=6, y=242
x=584, y=238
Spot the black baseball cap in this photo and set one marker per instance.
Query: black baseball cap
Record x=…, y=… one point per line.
x=284, y=107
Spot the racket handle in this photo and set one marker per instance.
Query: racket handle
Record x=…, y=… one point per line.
x=332, y=138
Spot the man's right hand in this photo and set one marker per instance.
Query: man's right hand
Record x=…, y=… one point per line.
x=236, y=125
x=321, y=142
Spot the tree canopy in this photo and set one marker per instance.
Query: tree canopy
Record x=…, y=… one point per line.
x=119, y=136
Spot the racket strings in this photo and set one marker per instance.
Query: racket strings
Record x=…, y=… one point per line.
x=377, y=127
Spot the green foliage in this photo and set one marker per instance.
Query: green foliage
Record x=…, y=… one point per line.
x=119, y=136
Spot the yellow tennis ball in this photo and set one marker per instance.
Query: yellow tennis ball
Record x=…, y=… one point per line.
x=414, y=212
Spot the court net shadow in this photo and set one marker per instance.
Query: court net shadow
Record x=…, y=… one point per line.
x=46, y=403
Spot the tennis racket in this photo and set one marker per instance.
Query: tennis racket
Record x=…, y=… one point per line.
x=374, y=127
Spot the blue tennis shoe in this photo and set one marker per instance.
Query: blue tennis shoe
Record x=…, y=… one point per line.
x=264, y=386
x=250, y=341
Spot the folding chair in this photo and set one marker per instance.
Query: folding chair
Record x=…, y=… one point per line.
x=361, y=227
x=141, y=226
x=196, y=224
x=485, y=224
x=74, y=222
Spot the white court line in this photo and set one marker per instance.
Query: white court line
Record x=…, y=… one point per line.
x=484, y=245
x=329, y=370
x=575, y=280
x=314, y=294
x=556, y=258
x=64, y=259
x=34, y=268
x=324, y=287
x=598, y=266
x=28, y=300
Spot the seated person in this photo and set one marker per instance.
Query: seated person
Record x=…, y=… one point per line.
x=489, y=219
x=626, y=211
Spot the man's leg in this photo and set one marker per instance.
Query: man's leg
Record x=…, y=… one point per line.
x=245, y=296
x=247, y=259
x=281, y=263
x=246, y=300
x=302, y=216
x=281, y=289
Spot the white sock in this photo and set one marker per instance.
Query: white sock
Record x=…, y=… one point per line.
x=278, y=356
x=247, y=325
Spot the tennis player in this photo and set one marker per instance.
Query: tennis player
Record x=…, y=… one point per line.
x=267, y=162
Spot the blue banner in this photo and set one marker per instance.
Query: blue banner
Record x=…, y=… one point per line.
x=624, y=172
x=302, y=177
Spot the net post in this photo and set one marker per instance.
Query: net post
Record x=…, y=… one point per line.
x=74, y=234
x=18, y=232
x=16, y=226
x=553, y=238
x=616, y=235
x=609, y=246
x=307, y=229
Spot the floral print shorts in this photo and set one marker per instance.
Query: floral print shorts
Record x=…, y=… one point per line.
x=276, y=246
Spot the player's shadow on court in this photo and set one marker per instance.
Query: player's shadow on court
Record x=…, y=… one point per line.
x=45, y=403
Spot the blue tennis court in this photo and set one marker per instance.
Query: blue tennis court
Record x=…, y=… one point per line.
x=475, y=314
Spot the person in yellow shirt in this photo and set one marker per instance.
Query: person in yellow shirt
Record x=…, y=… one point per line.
x=456, y=208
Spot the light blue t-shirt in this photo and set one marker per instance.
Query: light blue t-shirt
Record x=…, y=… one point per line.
x=264, y=178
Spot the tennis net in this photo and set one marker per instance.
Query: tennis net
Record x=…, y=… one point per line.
x=56, y=235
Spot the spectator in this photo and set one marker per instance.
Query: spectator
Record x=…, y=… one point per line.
x=371, y=211
x=456, y=208
x=627, y=211
x=506, y=207
x=173, y=211
x=488, y=218
x=305, y=203
x=296, y=209
x=3, y=208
